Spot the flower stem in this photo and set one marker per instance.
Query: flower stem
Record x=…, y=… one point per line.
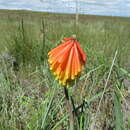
x=69, y=108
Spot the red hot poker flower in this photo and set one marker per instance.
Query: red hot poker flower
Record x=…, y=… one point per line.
x=66, y=60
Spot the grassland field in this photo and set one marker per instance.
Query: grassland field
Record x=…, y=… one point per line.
x=31, y=98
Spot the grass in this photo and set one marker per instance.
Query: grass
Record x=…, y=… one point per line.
x=30, y=97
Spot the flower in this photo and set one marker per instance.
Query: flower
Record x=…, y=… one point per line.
x=67, y=60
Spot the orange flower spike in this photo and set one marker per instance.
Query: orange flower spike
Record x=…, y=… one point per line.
x=83, y=56
x=61, y=52
x=73, y=67
x=66, y=60
x=77, y=60
x=55, y=50
x=69, y=64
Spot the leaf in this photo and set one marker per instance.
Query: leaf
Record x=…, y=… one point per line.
x=118, y=113
x=47, y=109
x=125, y=72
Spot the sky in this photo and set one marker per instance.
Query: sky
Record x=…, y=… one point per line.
x=94, y=7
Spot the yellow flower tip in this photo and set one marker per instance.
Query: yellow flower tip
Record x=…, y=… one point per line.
x=50, y=61
x=51, y=68
x=66, y=75
x=72, y=77
x=54, y=73
x=62, y=83
x=58, y=76
x=79, y=70
x=58, y=72
x=49, y=53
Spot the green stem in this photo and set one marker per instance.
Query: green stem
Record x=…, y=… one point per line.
x=69, y=108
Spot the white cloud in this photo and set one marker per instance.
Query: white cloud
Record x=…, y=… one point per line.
x=108, y=7
x=87, y=1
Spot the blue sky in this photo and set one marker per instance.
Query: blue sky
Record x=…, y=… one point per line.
x=95, y=7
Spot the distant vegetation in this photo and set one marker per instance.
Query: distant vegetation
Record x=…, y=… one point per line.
x=30, y=97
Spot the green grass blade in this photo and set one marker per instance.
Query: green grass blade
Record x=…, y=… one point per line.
x=125, y=72
x=129, y=123
x=47, y=109
x=118, y=113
